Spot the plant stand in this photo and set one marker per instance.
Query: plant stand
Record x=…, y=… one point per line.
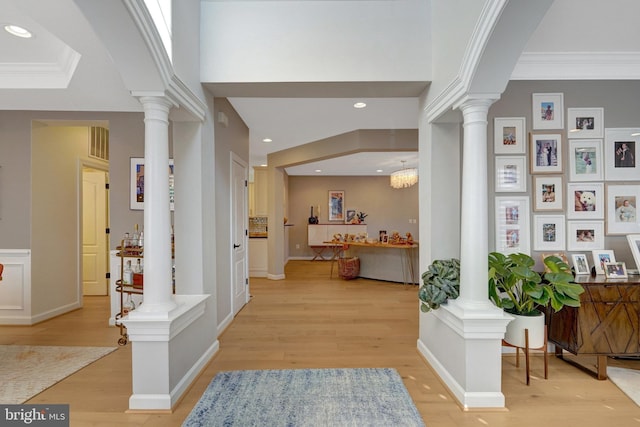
x=526, y=353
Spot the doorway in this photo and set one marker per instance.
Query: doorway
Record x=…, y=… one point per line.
x=95, y=224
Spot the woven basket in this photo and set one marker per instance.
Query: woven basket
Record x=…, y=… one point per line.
x=348, y=268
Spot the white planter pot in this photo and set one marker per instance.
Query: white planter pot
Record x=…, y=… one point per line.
x=515, y=331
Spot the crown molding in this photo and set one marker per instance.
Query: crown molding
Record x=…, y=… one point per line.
x=577, y=66
x=42, y=75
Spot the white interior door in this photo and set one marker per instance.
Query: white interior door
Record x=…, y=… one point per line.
x=94, y=234
x=239, y=227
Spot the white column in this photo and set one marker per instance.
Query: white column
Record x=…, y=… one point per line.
x=475, y=213
x=158, y=293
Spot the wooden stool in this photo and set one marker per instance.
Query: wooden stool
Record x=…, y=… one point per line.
x=526, y=353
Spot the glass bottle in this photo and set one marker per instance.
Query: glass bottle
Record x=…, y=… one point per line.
x=128, y=305
x=127, y=274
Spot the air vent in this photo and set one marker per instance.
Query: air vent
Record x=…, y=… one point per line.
x=99, y=146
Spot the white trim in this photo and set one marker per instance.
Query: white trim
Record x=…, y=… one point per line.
x=577, y=66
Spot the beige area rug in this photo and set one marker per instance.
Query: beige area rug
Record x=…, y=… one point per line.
x=27, y=370
x=627, y=380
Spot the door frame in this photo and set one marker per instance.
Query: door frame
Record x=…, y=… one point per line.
x=99, y=166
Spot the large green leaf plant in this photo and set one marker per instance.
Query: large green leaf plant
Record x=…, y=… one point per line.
x=440, y=282
x=516, y=288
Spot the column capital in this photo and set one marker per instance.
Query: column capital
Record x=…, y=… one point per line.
x=476, y=102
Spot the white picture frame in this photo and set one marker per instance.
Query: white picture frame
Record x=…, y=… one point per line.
x=545, y=152
x=511, y=174
x=585, y=235
x=586, y=162
x=601, y=257
x=580, y=264
x=512, y=225
x=509, y=135
x=549, y=234
x=548, y=193
x=585, y=123
x=622, y=205
x=547, y=110
x=634, y=245
x=621, y=164
x=585, y=200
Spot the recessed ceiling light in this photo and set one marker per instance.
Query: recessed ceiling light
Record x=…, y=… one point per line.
x=635, y=134
x=318, y=170
x=359, y=105
x=267, y=140
x=379, y=170
x=264, y=165
x=18, y=31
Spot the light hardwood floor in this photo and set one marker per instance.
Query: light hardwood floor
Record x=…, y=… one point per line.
x=310, y=321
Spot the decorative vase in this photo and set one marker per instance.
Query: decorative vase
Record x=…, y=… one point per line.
x=515, y=330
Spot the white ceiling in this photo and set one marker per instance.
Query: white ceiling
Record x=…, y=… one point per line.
x=32, y=70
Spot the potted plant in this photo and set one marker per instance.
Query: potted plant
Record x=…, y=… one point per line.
x=524, y=293
x=440, y=282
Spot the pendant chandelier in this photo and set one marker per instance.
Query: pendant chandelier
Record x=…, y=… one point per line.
x=404, y=177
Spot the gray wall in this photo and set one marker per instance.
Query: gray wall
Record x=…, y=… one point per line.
x=387, y=208
x=621, y=103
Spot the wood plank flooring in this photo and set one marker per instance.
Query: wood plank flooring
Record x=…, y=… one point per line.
x=311, y=321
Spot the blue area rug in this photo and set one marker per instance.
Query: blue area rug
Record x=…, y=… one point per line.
x=306, y=397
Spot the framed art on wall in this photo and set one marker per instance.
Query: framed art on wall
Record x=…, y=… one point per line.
x=585, y=200
x=621, y=154
x=509, y=135
x=512, y=225
x=585, y=122
x=585, y=235
x=601, y=257
x=585, y=160
x=622, y=204
x=136, y=186
x=336, y=205
x=545, y=152
x=511, y=173
x=547, y=109
x=548, y=193
x=549, y=233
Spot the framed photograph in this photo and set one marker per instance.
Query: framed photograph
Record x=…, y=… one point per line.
x=580, y=264
x=336, y=205
x=546, y=152
x=585, y=160
x=548, y=110
x=585, y=200
x=601, y=257
x=136, y=187
x=509, y=135
x=512, y=225
x=549, y=233
x=621, y=147
x=548, y=193
x=634, y=244
x=585, y=122
x=622, y=204
x=351, y=214
x=511, y=174
x=546, y=255
x=585, y=235
x=615, y=270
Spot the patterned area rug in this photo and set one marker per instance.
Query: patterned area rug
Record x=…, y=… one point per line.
x=306, y=397
x=627, y=380
x=27, y=370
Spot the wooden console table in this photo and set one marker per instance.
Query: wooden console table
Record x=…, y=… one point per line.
x=605, y=324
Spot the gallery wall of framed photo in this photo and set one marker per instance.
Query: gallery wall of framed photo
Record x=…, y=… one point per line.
x=564, y=182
